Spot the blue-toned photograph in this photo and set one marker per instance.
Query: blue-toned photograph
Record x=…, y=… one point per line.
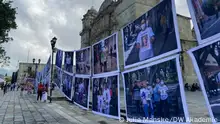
x=105, y=100
x=151, y=35
x=68, y=62
x=47, y=67
x=206, y=15
x=67, y=82
x=83, y=61
x=208, y=61
x=105, y=55
x=58, y=77
x=154, y=92
x=59, y=58
x=81, y=92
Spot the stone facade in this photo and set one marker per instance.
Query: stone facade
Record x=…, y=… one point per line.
x=114, y=14
x=23, y=70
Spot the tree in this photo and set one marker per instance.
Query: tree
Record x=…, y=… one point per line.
x=7, y=22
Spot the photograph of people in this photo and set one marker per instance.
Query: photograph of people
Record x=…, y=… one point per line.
x=68, y=62
x=83, y=61
x=57, y=76
x=67, y=85
x=47, y=67
x=105, y=55
x=105, y=96
x=207, y=59
x=153, y=92
x=59, y=58
x=205, y=14
x=152, y=34
x=81, y=92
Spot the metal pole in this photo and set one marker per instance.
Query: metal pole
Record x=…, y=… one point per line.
x=51, y=77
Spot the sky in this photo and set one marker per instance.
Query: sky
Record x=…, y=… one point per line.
x=40, y=20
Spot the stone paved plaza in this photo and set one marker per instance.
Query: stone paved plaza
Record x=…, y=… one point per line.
x=24, y=110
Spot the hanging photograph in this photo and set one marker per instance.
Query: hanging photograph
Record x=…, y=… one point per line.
x=205, y=17
x=105, y=55
x=47, y=67
x=59, y=58
x=81, y=92
x=206, y=61
x=58, y=76
x=151, y=36
x=106, y=97
x=155, y=91
x=83, y=61
x=68, y=62
x=66, y=86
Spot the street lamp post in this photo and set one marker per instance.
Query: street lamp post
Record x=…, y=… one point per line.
x=35, y=73
x=53, y=43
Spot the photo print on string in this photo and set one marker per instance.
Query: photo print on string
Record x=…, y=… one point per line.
x=155, y=91
x=58, y=76
x=206, y=62
x=66, y=86
x=206, y=19
x=151, y=36
x=81, y=92
x=48, y=66
x=83, y=61
x=105, y=56
x=68, y=62
x=106, y=96
x=59, y=58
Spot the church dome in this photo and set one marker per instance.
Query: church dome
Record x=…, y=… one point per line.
x=92, y=10
x=105, y=4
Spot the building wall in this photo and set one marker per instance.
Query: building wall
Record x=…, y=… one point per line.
x=23, y=68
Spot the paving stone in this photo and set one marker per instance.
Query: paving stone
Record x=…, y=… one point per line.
x=19, y=122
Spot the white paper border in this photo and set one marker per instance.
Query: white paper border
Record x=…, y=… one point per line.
x=90, y=58
x=196, y=68
x=196, y=28
x=119, y=108
x=88, y=96
x=111, y=72
x=182, y=92
x=161, y=55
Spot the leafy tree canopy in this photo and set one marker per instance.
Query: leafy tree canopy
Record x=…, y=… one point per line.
x=7, y=22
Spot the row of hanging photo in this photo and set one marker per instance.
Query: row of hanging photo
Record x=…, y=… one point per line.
x=154, y=90
x=152, y=81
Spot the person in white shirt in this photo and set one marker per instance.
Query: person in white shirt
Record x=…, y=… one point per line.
x=146, y=98
x=100, y=102
x=144, y=41
x=107, y=99
x=68, y=63
x=163, y=99
x=81, y=90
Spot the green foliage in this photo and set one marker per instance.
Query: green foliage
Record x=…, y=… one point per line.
x=7, y=22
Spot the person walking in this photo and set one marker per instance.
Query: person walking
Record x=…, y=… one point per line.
x=39, y=91
x=4, y=88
